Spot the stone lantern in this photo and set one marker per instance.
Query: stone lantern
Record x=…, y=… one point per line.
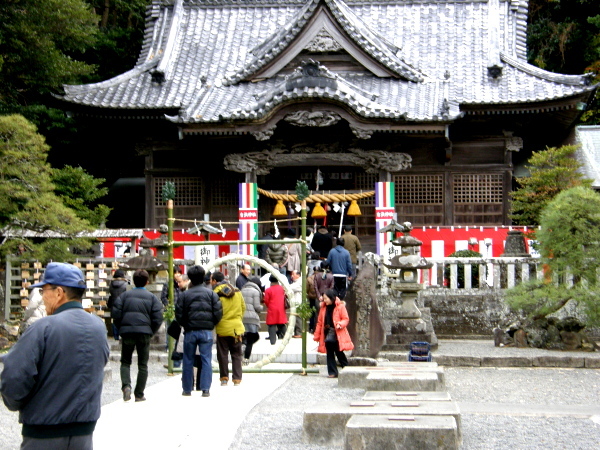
x=409, y=326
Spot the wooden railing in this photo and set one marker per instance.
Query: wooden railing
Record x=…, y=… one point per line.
x=477, y=273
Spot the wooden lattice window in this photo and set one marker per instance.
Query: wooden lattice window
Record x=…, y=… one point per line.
x=188, y=198
x=224, y=192
x=188, y=191
x=478, y=199
x=420, y=198
x=364, y=224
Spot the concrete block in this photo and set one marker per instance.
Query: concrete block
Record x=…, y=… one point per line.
x=399, y=396
x=559, y=361
x=402, y=364
x=401, y=432
x=592, y=363
x=452, y=360
x=325, y=424
x=404, y=381
x=506, y=361
x=354, y=377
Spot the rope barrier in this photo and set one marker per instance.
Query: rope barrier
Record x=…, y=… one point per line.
x=320, y=198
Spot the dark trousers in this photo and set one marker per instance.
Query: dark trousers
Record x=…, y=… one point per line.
x=313, y=319
x=339, y=283
x=251, y=338
x=276, y=331
x=59, y=443
x=229, y=345
x=333, y=350
x=141, y=343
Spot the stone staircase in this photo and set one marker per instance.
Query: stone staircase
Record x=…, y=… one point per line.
x=405, y=403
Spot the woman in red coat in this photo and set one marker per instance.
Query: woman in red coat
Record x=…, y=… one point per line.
x=276, y=317
x=333, y=315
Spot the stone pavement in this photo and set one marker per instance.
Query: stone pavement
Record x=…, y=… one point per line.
x=169, y=420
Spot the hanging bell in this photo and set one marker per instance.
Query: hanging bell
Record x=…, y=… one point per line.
x=354, y=209
x=318, y=212
x=280, y=210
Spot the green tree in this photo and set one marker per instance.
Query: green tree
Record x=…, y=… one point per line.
x=570, y=234
x=80, y=191
x=569, y=242
x=27, y=196
x=120, y=37
x=551, y=171
x=564, y=36
x=38, y=41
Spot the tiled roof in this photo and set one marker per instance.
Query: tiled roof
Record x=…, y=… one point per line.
x=589, y=152
x=198, y=56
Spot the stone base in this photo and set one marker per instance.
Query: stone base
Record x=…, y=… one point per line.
x=410, y=432
x=414, y=396
x=398, y=374
x=325, y=424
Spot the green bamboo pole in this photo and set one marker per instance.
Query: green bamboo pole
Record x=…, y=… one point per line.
x=170, y=340
x=304, y=274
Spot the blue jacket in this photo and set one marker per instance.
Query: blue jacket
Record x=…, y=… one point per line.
x=339, y=261
x=137, y=311
x=53, y=374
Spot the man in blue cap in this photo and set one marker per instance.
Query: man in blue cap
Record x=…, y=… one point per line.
x=53, y=374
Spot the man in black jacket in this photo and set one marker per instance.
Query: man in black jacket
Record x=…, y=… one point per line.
x=197, y=310
x=138, y=314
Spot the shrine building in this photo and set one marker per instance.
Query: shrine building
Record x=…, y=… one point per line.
x=435, y=96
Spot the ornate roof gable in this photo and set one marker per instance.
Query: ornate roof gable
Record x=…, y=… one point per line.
x=326, y=25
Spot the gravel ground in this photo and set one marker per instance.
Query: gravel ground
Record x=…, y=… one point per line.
x=277, y=421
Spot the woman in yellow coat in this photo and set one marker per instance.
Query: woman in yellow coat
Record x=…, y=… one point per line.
x=333, y=316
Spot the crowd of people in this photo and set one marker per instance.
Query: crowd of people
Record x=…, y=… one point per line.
x=208, y=309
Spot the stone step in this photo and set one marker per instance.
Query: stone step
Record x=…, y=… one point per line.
x=407, y=381
x=395, y=396
x=356, y=376
x=409, y=431
x=325, y=423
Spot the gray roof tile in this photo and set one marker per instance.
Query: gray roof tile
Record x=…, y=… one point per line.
x=207, y=48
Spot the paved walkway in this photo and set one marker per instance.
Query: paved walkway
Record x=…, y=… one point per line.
x=169, y=420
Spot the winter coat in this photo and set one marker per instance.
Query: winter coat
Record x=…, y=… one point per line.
x=352, y=244
x=277, y=253
x=252, y=296
x=339, y=261
x=310, y=286
x=322, y=284
x=198, y=308
x=53, y=374
x=322, y=242
x=164, y=295
x=274, y=299
x=340, y=317
x=137, y=311
x=234, y=307
x=294, y=255
x=117, y=287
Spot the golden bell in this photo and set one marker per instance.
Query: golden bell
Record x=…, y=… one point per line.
x=280, y=210
x=354, y=209
x=318, y=212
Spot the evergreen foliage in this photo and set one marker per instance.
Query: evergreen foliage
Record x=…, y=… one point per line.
x=27, y=195
x=80, y=191
x=551, y=171
x=569, y=242
x=38, y=41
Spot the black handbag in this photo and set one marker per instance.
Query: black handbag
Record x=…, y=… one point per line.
x=174, y=329
x=331, y=336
